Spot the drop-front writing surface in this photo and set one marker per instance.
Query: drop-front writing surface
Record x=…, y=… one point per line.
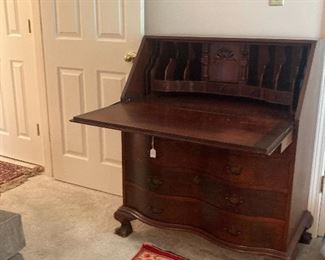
x=176, y=118
x=222, y=117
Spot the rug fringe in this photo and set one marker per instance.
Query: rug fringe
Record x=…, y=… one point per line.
x=13, y=183
x=35, y=171
x=28, y=172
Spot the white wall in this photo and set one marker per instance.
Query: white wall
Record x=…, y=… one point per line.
x=239, y=18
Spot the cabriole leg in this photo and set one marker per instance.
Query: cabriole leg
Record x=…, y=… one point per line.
x=305, y=238
x=125, y=218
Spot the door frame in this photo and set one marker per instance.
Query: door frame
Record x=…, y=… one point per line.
x=318, y=163
x=36, y=23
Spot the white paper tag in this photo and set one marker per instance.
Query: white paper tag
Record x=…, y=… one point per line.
x=153, y=153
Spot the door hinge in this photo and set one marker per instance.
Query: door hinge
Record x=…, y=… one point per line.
x=29, y=26
x=322, y=184
x=38, y=130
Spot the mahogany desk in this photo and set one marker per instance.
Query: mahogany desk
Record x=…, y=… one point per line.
x=209, y=131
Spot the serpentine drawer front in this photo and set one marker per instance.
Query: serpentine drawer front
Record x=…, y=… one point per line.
x=209, y=140
x=164, y=176
x=240, y=169
x=195, y=213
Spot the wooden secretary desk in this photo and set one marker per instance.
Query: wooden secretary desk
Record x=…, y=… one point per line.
x=209, y=133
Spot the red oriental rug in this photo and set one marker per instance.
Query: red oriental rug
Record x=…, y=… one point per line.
x=12, y=175
x=151, y=252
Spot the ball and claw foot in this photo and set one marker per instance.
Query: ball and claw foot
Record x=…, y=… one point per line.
x=305, y=238
x=124, y=230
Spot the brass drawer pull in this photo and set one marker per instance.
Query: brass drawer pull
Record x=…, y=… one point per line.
x=234, y=200
x=232, y=231
x=154, y=183
x=155, y=210
x=234, y=170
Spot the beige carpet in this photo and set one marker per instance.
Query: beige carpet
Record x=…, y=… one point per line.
x=65, y=222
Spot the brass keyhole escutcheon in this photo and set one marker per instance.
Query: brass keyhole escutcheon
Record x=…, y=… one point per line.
x=130, y=56
x=234, y=170
x=156, y=210
x=154, y=182
x=234, y=200
x=233, y=231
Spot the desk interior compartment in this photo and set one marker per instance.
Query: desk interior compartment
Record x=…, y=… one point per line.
x=240, y=94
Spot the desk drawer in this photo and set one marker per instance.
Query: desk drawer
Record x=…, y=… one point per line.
x=174, y=211
x=260, y=172
x=174, y=182
x=247, y=231
x=247, y=170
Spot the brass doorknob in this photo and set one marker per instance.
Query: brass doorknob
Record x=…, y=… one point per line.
x=130, y=56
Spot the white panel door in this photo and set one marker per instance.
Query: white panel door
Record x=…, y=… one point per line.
x=85, y=42
x=19, y=98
